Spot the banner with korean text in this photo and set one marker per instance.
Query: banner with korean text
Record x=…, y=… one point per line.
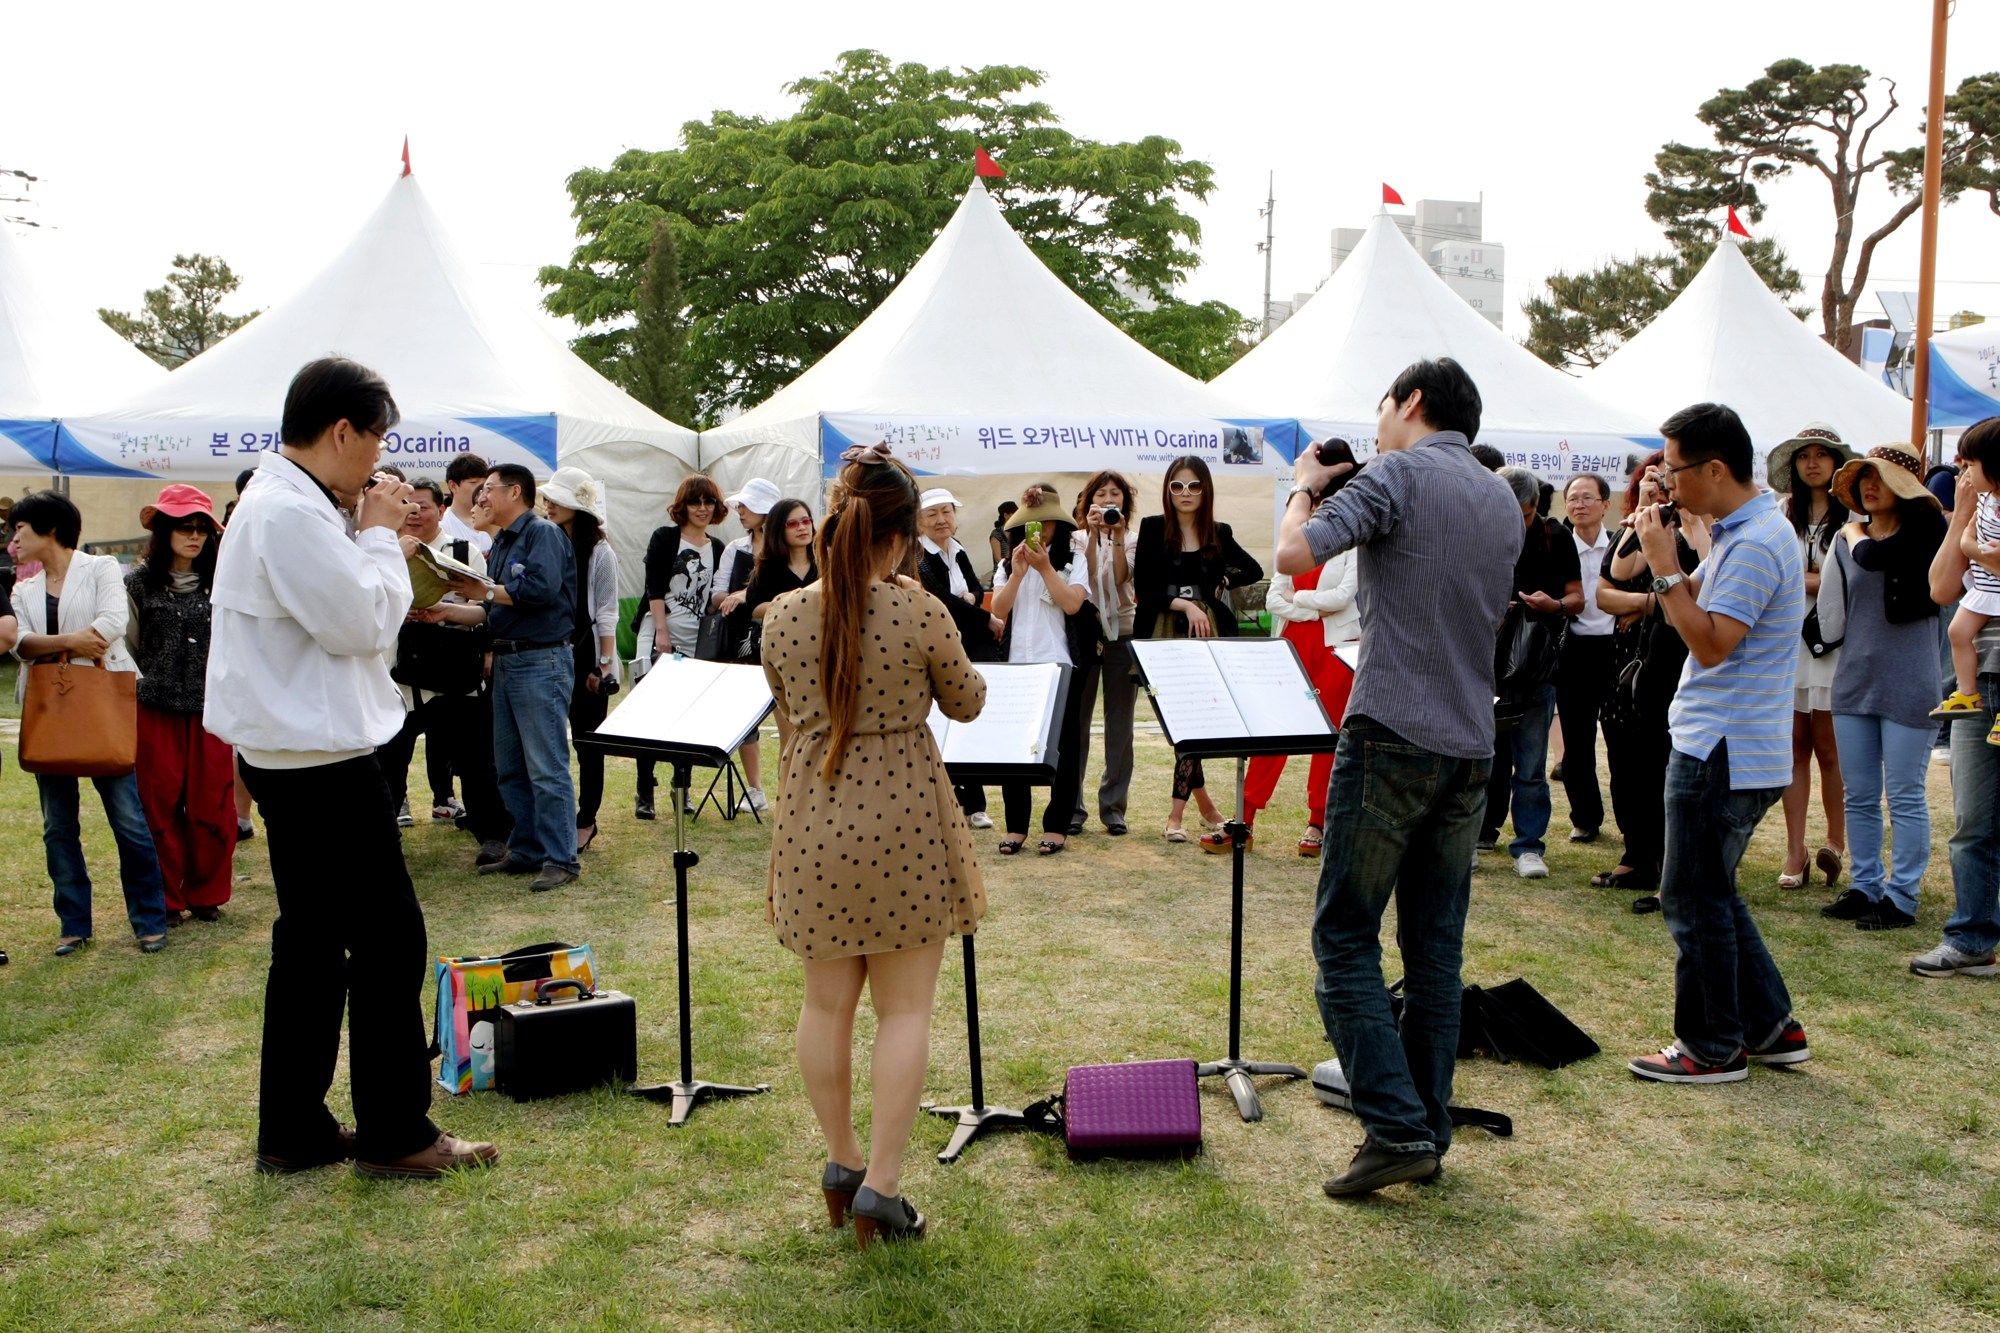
x=973, y=446
x=216, y=450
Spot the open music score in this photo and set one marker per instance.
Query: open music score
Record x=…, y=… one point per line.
x=1215, y=692
x=1013, y=727
x=693, y=705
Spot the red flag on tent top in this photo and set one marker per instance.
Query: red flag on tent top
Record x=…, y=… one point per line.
x=1736, y=227
x=1389, y=195
x=984, y=164
x=406, y=155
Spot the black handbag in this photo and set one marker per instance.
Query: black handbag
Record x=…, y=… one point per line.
x=546, y=1047
x=1512, y=1022
x=715, y=642
x=1528, y=653
x=441, y=659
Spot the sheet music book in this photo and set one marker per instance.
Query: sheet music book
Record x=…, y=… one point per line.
x=1021, y=701
x=431, y=573
x=1234, y=696
x=689, y=704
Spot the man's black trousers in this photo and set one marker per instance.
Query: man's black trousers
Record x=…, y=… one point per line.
x=349, y=936
x=1581, y=689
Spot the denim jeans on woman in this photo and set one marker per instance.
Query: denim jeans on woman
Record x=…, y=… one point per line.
x=1400, y=820
x=1727, y=991
x=1974, y=927
x=138, y=863
x=531, y=754
x=1878, y=756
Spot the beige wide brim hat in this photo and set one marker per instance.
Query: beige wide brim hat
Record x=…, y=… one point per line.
x=1900, y=470
x=573, y=488
x=1778, y=467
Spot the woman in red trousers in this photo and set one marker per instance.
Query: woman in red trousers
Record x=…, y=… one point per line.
x=187, y=780
x=1319, y=614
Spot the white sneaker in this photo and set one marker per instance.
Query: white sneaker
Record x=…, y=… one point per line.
x=753, y=800
x=1941, y=754
x=979, y=819
x=403, y=819
x=1530, y=866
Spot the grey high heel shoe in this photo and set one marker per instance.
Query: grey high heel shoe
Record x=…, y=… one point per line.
x=892, y=1219
x=839, y=1184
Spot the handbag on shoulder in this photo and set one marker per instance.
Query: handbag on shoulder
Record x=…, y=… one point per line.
x=80, y=722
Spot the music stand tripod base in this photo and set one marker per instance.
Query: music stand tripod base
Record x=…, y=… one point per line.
x=687, y=1096
x=1236, y=1073
x=972, y=1122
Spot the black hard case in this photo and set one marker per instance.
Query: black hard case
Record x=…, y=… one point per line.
x=565, y=1043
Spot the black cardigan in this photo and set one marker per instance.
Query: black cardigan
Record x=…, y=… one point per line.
x=972, y=620
x=1157, y=576
x=1904, y=559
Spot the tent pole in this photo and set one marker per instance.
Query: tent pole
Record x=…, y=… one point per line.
x=1920, y=386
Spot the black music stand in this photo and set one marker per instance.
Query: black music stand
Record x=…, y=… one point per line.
x=1234, y=1069
x=650, y=735
x=976, y=1117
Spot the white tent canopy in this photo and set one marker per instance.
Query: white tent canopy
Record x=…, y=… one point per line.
x=470, y=371
x=983, y=362
x=57, y=359
x=1729, y=339
x=1329, y=365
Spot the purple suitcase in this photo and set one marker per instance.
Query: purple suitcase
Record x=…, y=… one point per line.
x=1148, y=1109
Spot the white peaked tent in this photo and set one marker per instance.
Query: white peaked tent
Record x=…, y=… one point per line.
x=57, y=359
x=1729, y=339
x=982, y=362
x=1330, y=364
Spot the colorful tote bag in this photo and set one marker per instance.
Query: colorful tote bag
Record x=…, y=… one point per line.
x=471, y=990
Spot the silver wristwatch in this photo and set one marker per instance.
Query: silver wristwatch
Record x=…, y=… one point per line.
x=1306, y=491
x=603, y=661
x=1664, y=583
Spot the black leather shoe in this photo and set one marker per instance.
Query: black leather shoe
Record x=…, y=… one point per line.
x=1375, y=1166
x=1885, y=916
x=1073, y=829
x=206, y=913
x=1583, y=835
x=644, y=808
x=490, y=853
x=1116, y=830
x=510, y=866
x=1849, y=906
x=891, y=1219
x=68, y=947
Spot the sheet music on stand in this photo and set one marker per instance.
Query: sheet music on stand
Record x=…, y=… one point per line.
x=1017, y=734
x=687, y=709
x=1234, y=697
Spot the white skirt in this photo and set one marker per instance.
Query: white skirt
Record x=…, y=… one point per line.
x=1979, y=602
x=1812, y=685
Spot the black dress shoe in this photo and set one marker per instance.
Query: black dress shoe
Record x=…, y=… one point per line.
x=68, y=947
x=1583, y=835
x=1073, y=829
x=644, y=808
x=1849, y=906
x=491, y=852
x=1116, y=830
x=207, y=913
x=1885, y=916
x=153, y=945
x=1375, y=1166
x=1646, y=905
x=510, y=866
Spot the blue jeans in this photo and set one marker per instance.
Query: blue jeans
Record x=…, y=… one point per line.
x=138, y=864
x=1974, y=927
x=1877, y=755
x=531, y=754
x=1521, y=771
x=1727, y=991
x=1399, y=819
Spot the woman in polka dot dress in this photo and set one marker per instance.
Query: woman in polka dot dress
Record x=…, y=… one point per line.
x=871, y=859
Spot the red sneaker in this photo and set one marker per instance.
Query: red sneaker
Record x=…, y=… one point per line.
x=1787, y=1048
x=1673, y=1065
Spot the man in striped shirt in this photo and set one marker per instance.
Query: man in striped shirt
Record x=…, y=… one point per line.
x=1731, y=725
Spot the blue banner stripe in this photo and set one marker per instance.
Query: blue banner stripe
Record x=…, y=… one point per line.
x=36, y=438
x=1953, y=401
x=535, y=434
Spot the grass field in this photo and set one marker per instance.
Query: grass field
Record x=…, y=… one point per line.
x=1856, y=1191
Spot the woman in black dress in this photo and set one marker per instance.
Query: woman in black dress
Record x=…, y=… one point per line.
x=1187, y=562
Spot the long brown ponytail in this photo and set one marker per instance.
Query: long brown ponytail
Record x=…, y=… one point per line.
x=878, y=503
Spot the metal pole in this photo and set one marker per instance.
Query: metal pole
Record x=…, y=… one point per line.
x=1236, y=928
x=1920, y=386
x=972, y=1026
x=683, y=780
x=1270, y=208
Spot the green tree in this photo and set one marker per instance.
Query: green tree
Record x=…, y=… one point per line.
x=791, y=231
x=182, y=319
x=653, y=371
x=1971, y=140
x=1204, y=340
x=1797, y=115
x=1582, y=318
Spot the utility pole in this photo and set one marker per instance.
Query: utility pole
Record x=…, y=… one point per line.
x=1264, y=247
x=1920, y=380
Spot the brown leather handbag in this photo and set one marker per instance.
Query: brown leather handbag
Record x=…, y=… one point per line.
x=80, y=722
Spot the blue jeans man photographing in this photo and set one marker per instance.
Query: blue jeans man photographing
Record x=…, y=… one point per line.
x=1437, y=536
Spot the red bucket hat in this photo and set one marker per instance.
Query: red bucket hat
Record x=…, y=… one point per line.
x=178, y=501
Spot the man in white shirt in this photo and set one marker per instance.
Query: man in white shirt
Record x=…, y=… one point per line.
x=1586, y=675
x=462, y=479
x=302, y=615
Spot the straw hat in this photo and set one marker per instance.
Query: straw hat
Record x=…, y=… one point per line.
x=1900, y=470
x=573, y=488
x=178, y=501
x=1778, y=467
x=1047, y=510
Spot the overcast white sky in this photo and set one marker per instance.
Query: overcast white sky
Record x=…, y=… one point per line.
x=266, y=133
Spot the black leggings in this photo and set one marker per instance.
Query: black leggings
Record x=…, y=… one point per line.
x=1188, y=777
x=1018, y=798
x=587, y=710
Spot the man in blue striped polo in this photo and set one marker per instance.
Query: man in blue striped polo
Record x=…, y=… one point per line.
x=1731, y=726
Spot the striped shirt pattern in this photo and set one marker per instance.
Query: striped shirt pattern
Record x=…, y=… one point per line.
x=1754, y=574
x=1987, y=524
x=1437, y=536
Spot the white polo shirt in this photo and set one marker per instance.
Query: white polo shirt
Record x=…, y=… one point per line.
x=1595, y=620
x=1040, y=632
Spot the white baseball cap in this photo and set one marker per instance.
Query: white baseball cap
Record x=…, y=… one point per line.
x=938, y=496
x=757, y=496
